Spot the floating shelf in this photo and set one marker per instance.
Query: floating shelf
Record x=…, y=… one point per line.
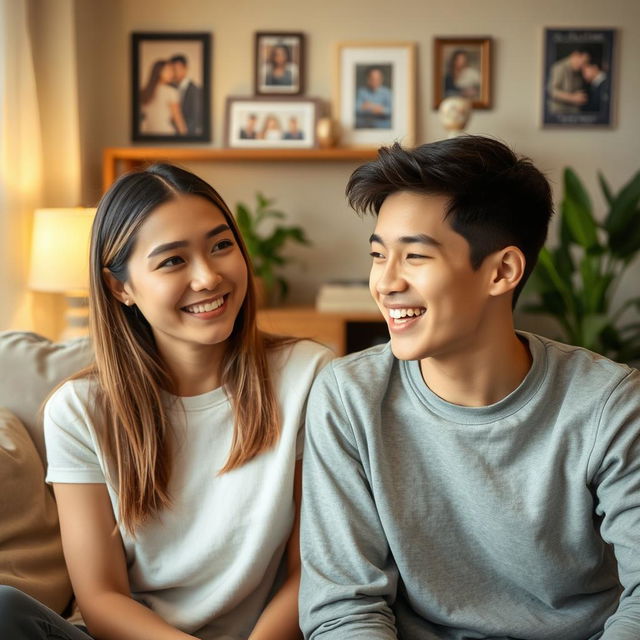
x=115, y=160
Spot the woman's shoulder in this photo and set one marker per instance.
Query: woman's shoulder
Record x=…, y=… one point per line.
x=74, y=395
x=296, y=357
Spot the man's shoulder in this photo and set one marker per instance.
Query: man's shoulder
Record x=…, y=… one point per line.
x=367, y=370
x=587, y=369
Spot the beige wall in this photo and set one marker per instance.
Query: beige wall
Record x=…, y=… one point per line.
x=313, y=193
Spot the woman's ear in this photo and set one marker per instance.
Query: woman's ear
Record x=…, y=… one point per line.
x=509, y=265
x=120, y=290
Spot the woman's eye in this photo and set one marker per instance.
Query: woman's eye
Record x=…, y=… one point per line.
x=171, y=262
x=223, y=244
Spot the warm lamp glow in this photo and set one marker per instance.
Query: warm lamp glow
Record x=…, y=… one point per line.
x=60, y=261
x=60, y=250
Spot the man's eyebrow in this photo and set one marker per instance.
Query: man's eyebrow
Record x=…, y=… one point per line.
x=420, y=238
x=169, y=246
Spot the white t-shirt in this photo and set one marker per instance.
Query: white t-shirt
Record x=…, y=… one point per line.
x=157, y=113
x=209, y=564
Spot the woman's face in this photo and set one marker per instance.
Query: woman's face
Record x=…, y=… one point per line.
x=187, y=276
x=460, y=61
x=279, y=56
x=166, y=74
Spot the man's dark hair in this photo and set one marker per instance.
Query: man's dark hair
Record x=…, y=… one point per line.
x=496, y=198
x=179, y=58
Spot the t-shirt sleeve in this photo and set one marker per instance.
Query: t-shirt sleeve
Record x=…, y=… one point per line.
x=615, y=474
x=70, y=439
x=321, y=359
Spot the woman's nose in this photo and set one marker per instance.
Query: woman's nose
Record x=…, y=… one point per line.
x=204, y=277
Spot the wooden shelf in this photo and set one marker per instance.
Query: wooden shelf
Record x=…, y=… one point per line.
x=115, y=160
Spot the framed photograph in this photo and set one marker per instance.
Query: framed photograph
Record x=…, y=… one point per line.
x=462, y=67
x=279, y=64
x=375, y=93
x=271, y=123
x=578, y=73
x=171, y=87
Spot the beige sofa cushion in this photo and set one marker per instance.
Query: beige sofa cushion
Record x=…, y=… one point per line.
x=30, y=367
x=30, y=550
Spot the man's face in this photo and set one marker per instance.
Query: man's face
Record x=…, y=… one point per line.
x=578, y=59
x=422, y=280
x=179, y=71
x=375, y=78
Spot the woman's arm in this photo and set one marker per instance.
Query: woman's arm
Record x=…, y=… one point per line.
x=178, y=118
x=279, y=621
x=95, y=559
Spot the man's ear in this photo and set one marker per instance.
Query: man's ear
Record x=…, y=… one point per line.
x=508, y=269
x=120, y=290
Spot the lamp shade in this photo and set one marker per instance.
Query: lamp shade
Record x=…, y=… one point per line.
x=60, y=249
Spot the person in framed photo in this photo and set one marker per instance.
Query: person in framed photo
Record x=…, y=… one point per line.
x=567, y=87
x=293, y=131
x=161, y=110
x=462, y=78
x=597, y=87
x=280, y=68
x=374, y=100
x=190, y=94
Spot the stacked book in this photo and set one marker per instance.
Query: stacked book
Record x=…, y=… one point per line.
x=345, y=296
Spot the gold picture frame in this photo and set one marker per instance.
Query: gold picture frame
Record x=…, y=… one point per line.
x=462, y=67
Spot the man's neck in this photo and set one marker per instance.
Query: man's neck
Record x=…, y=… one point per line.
x=480, y=376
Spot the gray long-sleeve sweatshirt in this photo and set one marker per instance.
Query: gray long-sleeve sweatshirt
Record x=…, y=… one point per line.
x=427, y=520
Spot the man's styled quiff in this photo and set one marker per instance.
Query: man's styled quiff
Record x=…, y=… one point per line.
x=496, y=198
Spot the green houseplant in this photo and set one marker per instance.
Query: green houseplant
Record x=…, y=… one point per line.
x=575, y=281
x=266, y=242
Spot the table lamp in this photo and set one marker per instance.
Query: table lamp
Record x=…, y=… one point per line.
x=60, y=262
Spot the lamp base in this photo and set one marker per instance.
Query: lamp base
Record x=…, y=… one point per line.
x=76, y=315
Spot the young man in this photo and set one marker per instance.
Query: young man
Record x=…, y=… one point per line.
x=467, y=480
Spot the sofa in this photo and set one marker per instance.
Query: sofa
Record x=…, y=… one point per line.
x=30, y=549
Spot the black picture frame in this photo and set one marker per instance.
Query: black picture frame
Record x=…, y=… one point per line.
x=578, y=77
x=153, y=117
x=292, y=78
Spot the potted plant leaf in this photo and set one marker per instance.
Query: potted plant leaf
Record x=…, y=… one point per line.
x=266, y=244
x=575, y=281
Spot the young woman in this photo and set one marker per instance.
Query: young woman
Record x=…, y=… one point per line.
x=175, y=459
x=160, y=103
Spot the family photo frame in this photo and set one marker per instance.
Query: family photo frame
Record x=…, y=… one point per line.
x=279, y=63
x=171, y=87
x=578, y=77
x=262, y=122
x=374, y=95
x=462, y=67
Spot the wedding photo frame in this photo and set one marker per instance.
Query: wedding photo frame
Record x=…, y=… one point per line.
x=374, y=96
x=578, y=74
x=171, y=87
x=279, y=63
x=462, y=67
x=271, y=123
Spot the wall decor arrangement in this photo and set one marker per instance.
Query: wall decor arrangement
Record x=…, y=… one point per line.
x=462, y=67
x=279, y=63
x=170, y=87
x=262, y=122
x=374, y=97
x=578, y=72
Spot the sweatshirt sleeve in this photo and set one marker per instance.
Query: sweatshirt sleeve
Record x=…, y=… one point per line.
x=615, y=475
x=349, y=577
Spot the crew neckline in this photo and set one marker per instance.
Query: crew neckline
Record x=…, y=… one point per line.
x=510, y=404
x=196, y=403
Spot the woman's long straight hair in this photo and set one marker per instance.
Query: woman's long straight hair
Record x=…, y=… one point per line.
x=131, y=416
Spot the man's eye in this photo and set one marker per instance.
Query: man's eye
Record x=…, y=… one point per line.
x=376, y=255
x=417, y=256
x=171, y=262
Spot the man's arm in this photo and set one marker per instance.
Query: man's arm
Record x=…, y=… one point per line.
x=615, y=466
x=349, y=577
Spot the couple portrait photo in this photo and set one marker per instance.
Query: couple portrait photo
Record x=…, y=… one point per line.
x=578, y=73
x=171, y=94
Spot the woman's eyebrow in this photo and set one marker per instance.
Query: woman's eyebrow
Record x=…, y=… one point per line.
x=169, y=246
